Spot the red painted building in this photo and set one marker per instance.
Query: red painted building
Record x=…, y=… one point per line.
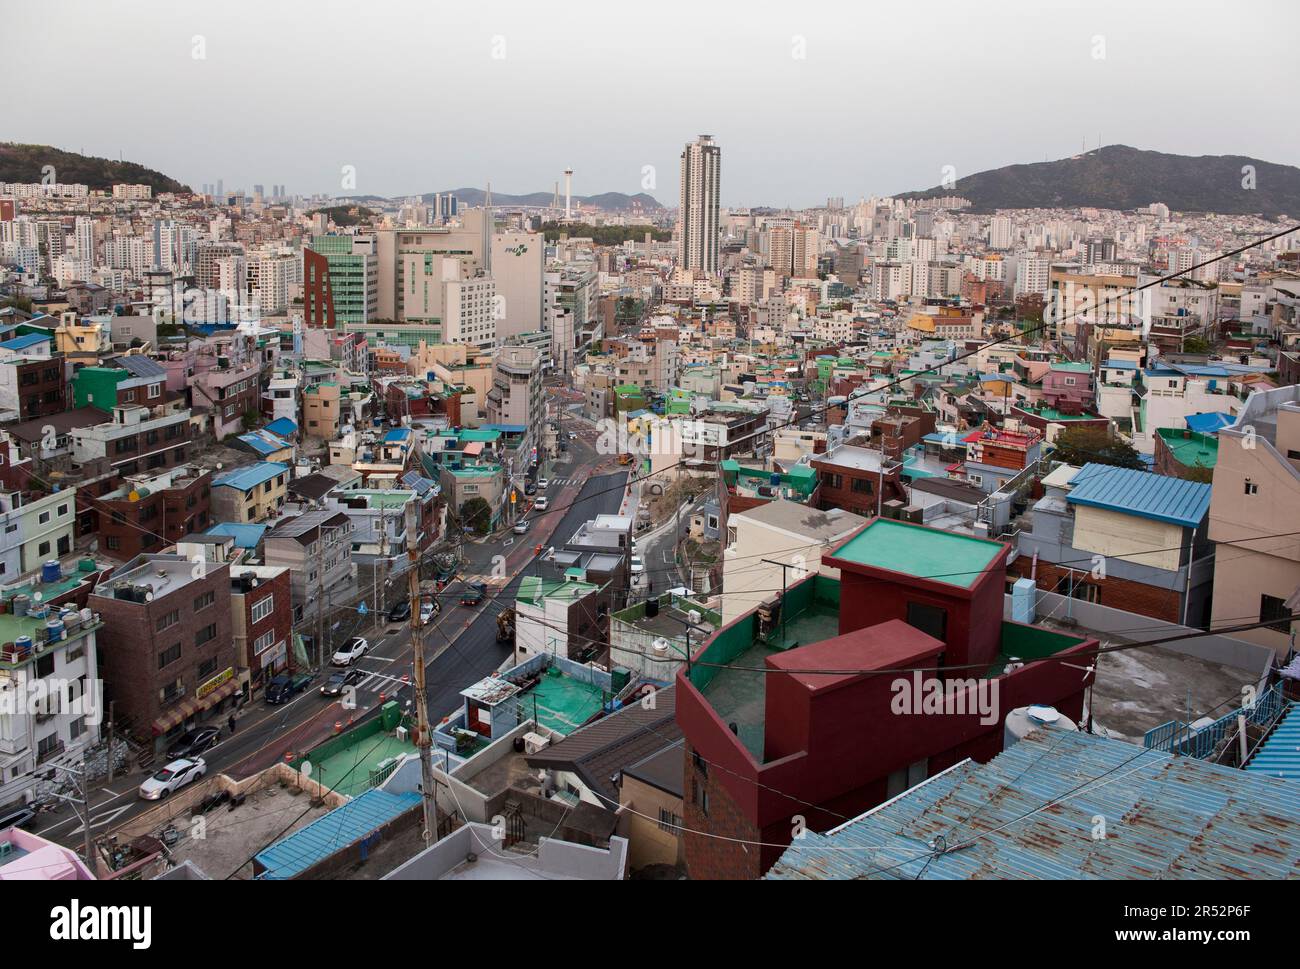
x=317, y=295
x=839, y=722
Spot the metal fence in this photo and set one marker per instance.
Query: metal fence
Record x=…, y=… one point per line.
x=1184, y=740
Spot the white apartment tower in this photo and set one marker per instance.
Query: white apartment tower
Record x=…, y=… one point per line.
x=697, y=233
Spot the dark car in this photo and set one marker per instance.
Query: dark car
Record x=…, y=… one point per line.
x=193, y=743
x=341, y=680
x=530, y=488
x=400, y=612
x=20, y=817
x=473, y=594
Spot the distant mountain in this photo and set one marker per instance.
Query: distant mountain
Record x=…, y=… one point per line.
x=1120, y=177
x=26, y=163
x=610, y=201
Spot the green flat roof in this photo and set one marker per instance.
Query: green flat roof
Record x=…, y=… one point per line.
x=1191, y=449
x=921, y=552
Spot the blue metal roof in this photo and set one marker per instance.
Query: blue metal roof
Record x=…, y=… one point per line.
x=1029, y=812
x=1210, y=423
x=23, y=342
x=397, y=434
x=333, y=832
x=505, y=428
x=250, y=475
x=245, y=536
x=1142, y=493
x=1279, y=755
x=282, y=427
x=264, y=442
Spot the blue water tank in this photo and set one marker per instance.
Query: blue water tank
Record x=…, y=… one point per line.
x=50, y=571
x=1024, y=594
x=54, y=630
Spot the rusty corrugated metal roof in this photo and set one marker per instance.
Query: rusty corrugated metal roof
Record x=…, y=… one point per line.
x=1032, y=811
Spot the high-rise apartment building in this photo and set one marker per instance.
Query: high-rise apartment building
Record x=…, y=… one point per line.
x=697, y=230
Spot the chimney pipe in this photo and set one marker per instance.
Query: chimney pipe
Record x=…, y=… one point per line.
x=568, y=194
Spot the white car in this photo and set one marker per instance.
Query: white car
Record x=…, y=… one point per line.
x=638, y=565
x=427, y=611
x=542, y=503
x=543, y=484
x=350, y=652
x=173, y=777
x=521, y=527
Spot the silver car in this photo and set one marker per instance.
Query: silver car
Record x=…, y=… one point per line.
x=173, y=777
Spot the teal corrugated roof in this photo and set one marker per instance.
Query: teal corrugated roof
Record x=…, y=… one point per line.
x=1167, y=818
x=1279, y=755
x=1142, y=493
x=333, y=832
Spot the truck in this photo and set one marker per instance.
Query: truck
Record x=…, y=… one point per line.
x=286, y=686
x=506, y=627
x=474, y=594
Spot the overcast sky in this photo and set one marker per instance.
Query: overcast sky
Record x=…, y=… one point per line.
x=411, y=94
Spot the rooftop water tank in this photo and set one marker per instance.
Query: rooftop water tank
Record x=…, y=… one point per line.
x=50, y=571
x=1024, y=720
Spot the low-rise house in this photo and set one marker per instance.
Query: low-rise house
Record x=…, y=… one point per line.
x=253, y=493
x=567, y=618
x=317, y=549
x=1127, y=539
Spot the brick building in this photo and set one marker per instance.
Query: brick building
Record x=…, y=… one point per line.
x=166, y=651
x=261, y=619
x=149, y=512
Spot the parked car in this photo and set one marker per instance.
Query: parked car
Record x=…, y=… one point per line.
x=400, y=612
x=428, y=610
x=530, y=488
x=350, y=652
x=16, y=818
x=543, y=484
x=638, y=565
x=521, y=526
x=542, y=503
x=194, y=743
x=341, y=679
x=286, y=686
x=474, y=594
x=172, y=778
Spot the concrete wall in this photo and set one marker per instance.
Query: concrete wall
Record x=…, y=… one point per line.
x=1238, y=653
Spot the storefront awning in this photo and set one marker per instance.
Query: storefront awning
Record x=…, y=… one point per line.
x=192, y=705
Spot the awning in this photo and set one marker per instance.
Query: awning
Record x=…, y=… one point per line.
x=190, y=706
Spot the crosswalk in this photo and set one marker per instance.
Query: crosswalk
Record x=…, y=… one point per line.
x=491, y=581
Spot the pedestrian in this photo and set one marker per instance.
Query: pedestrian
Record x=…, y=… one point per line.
x=231, y=724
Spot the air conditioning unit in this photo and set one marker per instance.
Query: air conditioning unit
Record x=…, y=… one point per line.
x=533, y=742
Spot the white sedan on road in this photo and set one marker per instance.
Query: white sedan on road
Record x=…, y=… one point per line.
x=173, y=777
x=350, y=652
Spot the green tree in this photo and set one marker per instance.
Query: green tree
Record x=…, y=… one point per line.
x=476, y=516
x=1194, y=344
x=1094, y=445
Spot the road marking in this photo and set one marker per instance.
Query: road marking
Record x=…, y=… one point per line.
x=101, y=819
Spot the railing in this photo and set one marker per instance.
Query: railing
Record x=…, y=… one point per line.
x=1182, y=740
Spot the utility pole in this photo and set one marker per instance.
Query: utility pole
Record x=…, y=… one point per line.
x=424, y=734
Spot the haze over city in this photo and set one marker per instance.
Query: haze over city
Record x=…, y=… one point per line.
x=813, y=100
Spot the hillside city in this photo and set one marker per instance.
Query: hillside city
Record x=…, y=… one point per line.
x=444, y=538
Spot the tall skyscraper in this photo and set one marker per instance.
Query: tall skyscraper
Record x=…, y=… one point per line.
x=697, y=237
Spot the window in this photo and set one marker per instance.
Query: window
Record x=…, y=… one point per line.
x=77, y=727
x=206, y=634
x=43, y=518
x=207, y=668
x=264, y=642
x=205, y=600
x=44, y=548
x=700, y=795
x=169, y=656
x=263, y=609
x=170, y=619
x=1251, y=487
x=1273, y=610
x=44, y=665
x=669, y=822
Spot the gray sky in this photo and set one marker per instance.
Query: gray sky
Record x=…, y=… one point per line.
x=411, y=95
